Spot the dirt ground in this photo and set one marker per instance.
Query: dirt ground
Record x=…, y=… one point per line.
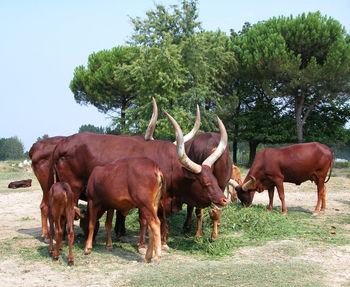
x=20, y=219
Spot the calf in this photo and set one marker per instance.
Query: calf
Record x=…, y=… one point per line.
x=123, y=185
x=20, y=183
x=61, y=212
x=296, y=164
x=236, y=179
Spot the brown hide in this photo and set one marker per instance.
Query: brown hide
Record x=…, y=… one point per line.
x=123, y=185
x=41, y=155
x=295, y=164
x=20, y=183
x=77, y=155
x=198, y=149
x=61, y=212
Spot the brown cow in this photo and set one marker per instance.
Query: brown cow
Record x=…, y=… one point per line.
x=76, y=156
x=295, y=164
x=198, y=149
x=20, y=183
x=123, y=185
x=40, y=154
x=61, y=212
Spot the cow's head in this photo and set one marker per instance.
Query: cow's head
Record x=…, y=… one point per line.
x=246, y=191
x=203, y=173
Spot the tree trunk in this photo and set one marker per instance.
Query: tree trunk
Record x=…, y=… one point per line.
x=299, y=103
x=234, y=151
x=252, y=151
x=123, y=114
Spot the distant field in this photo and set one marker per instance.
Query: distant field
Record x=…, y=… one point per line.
x=255, y=248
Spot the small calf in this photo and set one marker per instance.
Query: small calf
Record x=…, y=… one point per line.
x=61, y=211
x=123, y=185
x=20, y=183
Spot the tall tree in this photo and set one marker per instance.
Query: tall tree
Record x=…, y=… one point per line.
x=11, y=148
x=106, y=82
x=304, y=60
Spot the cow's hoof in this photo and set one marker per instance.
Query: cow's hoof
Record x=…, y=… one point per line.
x=147, y=260
x=50, y=253
x=142, y=250
x=70, y=262
x=315, y=214
x=156, y=261
x=55, y=258
x=213, y=237
x=165, y=247
x=109, y=247
x=87, y=251
x=46, y=240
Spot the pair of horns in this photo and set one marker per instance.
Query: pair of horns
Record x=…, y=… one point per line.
x=152, y=124
x=246, y=186
x=180, y=145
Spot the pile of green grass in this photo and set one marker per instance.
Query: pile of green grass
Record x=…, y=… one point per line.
x=241, y=227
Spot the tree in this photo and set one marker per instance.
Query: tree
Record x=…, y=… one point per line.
x=42, y=137
x=92, y=129
x=11, y=148
x=304, y=60
x=106, y=82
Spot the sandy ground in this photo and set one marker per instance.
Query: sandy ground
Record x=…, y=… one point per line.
x=20, y=218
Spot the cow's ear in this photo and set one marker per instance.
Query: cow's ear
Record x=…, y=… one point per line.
x=188, y=174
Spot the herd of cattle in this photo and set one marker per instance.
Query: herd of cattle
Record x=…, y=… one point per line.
x=123, y=172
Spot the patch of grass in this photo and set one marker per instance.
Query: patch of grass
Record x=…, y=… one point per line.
x=184, y=273
x=252, y=227
x=26, y=219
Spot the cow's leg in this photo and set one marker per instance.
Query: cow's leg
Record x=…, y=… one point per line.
x=188, y=222
x=119, y=227
x=59, y=234
x=108, y=226
x=44, y=218
x=164, y=233
x=154, y=241
x=280, y=190
x=215, y=215
x=320, y=194
x=271, y=193
x=199, y=215
x=51, y=234
x=142, y=236
x=323, y=206
x=70, y=223
x=92, y=220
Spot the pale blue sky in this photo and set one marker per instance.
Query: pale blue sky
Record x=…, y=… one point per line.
x=43, y=41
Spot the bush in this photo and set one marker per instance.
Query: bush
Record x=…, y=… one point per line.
x=11, y=148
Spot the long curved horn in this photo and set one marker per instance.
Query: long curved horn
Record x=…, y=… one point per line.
x=233, y=183
x=180, y=146
x=152, y=123
x=249, y=184
x=221, y=147
x=195, y=128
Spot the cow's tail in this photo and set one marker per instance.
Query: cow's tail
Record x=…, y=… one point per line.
x=70, y=206
x=164, y=227
x=330, y=171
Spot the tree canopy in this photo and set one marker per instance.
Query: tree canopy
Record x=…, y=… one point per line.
x=281, y=80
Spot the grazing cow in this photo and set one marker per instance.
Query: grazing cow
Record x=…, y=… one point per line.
x=61, y=212
x=20, y=183
x=76, y=156
x=123, y=185
x=40, y=154
x=295, y=164
x=198, y=149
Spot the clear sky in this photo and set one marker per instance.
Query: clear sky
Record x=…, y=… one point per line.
x=43, y=41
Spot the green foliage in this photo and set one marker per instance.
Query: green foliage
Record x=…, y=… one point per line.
x=42, y=137
x=92, y=129
x=11, y=148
